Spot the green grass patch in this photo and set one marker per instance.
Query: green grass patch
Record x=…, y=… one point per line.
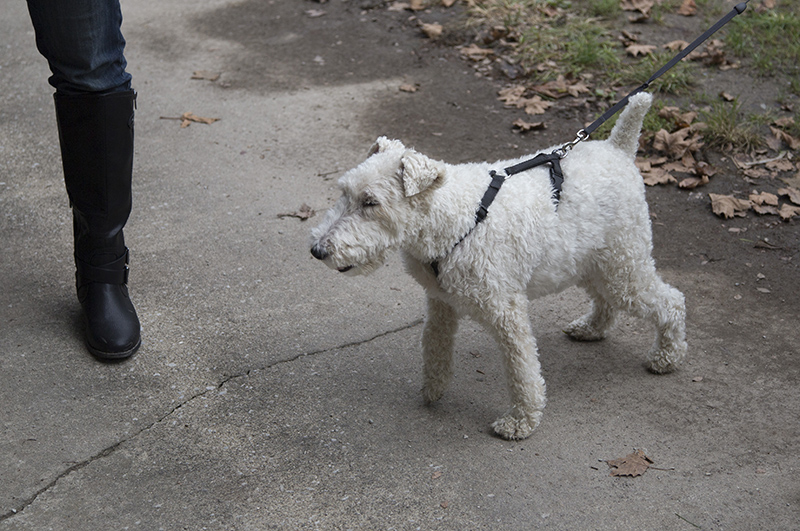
x=729, y=130
x=575, y=45
x=770, y=41
x=604, y=8
x=583, y=40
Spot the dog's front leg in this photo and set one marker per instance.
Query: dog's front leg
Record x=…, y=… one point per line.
x=437, y=348
x=523, y=371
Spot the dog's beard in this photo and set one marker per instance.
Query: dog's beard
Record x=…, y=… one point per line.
x=363, y=266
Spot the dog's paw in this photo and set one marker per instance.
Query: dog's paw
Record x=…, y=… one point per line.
x=581, y=330
x=432, y=391
x=512, y=427
x=663, y=361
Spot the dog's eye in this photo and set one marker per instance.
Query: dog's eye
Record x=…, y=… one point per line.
x=369, y=202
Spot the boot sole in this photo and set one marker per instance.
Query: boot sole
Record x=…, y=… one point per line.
x=113, y=356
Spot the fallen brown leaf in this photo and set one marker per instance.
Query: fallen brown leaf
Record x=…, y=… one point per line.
x=756, y=173
x=764, y=210
x=678, y=166
x=676, y=46
x=793, y=181
x=631, y=465
x=793, y=193
x=521, y=126
x=432, y=31
x=534, y=105
x=690, y=183
x=704, y=168
x=783, y=136
x=676, y=144
x=513, y=97
x=640, y=49
x=763, y=198
x=728, y=206
x=560, y=87
x=510, y=95
x=302, y=214
x=657, y=176
x=688, y=8
x=680, y=119
x=408, y=87
x=779, y=165
x=191, y=117
x=642, y=6
x=788, y=211
x=627, y=37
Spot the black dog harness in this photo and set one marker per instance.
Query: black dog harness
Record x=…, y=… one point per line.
x=553, y=159
x=556, y=179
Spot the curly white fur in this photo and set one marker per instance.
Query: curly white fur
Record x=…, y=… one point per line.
x=599, y=238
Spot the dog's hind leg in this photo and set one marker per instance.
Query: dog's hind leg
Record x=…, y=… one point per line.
x=634, y=285
x=512, y=327
x=437, y=349
x=594, y=325
x=665, y=307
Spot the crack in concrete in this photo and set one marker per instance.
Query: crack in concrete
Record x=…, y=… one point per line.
x=111, y=449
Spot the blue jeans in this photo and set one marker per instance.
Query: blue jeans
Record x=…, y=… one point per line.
x=83, y=44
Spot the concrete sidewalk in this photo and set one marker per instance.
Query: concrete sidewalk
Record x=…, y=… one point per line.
x=271, y=393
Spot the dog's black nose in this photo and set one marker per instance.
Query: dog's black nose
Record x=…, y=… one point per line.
x=318, y=252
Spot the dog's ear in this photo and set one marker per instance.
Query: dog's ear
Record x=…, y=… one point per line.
x=419, y=172
x=383, y=144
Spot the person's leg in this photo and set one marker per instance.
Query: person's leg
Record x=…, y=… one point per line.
x=82, y=42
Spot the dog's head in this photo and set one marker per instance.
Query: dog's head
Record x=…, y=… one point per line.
x=376, y=209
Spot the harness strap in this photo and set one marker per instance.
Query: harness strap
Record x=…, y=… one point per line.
x=488, y=197
x=556, y=179
x=556, y=176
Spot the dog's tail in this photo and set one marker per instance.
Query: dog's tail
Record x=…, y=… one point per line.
x=625, y=134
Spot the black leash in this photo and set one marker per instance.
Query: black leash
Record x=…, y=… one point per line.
x=556, y=176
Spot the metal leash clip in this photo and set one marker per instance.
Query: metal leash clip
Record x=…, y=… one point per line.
x=564, y=149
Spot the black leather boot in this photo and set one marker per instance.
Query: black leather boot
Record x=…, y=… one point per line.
x=96, y=135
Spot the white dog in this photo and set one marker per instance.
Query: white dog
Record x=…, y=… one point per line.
x=597, y=236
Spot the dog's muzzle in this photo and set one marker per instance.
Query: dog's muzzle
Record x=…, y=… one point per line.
x=320, y=253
